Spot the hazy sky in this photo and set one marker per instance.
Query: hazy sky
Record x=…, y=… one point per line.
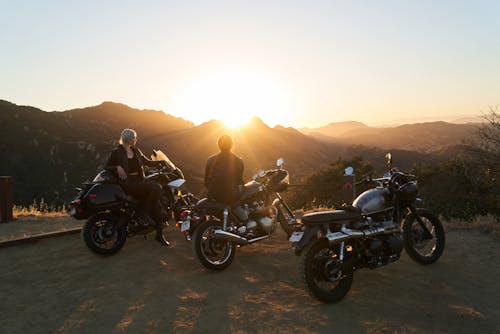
x=298, y=63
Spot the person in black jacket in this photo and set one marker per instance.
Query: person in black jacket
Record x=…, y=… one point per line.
x=224, y=173
x=128, y=161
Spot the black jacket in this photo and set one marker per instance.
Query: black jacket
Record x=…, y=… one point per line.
x=118, y=157
x=223, y=176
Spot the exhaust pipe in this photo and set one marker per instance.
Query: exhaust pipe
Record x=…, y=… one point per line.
x=230, y=237
x=346, y=233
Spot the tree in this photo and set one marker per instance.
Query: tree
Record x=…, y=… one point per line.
x=489, y=135
x=324, y=187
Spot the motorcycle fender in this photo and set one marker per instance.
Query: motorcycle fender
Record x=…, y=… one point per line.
x=310, y=233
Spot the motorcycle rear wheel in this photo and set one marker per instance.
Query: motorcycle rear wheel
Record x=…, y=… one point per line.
x=422, y=249
x=103, y=235
x=213, y=253
x=324, y=277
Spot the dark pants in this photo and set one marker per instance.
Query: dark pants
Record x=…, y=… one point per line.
x=148, y=193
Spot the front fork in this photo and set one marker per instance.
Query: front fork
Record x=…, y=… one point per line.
x=289, y=224
x=427, y=233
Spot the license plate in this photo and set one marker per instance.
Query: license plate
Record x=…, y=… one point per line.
x=72, y=212
x=296, y=236
x=185, y=226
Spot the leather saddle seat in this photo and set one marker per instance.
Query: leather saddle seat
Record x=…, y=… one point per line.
x=207, y=203
x=330, y=216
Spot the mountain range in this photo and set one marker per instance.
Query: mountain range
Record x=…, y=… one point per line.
x=49, y=153
x=421, y=137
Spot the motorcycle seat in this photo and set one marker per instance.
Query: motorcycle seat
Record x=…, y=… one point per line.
x=207, y=203
x=329, y=216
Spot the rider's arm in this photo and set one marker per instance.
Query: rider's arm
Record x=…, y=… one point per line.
x=112, y=162
x=208, y=171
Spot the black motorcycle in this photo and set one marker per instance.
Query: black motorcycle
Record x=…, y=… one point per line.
x=112, y=215
x=370, y=233
x=217, y=228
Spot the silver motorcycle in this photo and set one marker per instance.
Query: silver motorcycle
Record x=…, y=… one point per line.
x=370, y=233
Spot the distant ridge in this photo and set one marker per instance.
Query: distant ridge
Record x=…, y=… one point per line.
x=49, y=153
x=421, y=137
x=336, y=129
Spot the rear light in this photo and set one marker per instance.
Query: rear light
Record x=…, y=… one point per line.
x=92, y=195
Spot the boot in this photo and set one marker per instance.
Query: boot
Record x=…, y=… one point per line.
x=158, y=238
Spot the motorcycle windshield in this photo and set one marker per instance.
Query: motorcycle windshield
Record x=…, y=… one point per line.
x=160, y=156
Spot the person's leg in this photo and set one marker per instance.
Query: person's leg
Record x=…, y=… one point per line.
x=152, y=202
x=141, y=192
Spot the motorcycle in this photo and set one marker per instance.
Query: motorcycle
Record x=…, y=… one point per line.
x=112, y=215
x=217, y=229
x=370, y=233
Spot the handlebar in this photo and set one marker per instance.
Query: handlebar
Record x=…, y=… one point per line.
x=389, y=180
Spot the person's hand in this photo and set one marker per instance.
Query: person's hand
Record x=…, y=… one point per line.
x=121, y=172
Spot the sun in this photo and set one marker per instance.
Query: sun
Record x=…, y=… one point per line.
x=234, y=97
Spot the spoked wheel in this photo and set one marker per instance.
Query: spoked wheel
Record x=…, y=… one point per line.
x=103, y=235
x=424, y=239
x=324, y=276
x=213, y=253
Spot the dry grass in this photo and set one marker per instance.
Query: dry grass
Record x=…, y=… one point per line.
x=489, y=223
x=40, y=209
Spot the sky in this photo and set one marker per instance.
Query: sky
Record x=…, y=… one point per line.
x=294, y=63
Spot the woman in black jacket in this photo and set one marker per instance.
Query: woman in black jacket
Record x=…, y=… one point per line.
x=128, y=161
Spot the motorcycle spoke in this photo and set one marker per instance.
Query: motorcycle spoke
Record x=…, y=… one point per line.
x=100, y=235
x=327, y=269
x=215, y=251
x=424, y=237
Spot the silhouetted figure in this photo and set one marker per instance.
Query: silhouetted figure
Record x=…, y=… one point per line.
x=224, y=173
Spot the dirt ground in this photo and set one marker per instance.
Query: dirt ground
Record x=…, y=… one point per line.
x=57, y=285
x=29, y=226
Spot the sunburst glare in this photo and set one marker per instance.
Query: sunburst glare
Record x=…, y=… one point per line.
x=233, y=97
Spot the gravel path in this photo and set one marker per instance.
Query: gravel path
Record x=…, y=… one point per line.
x=58, y=286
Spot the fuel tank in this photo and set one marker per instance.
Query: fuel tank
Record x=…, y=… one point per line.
x=249, y=189
x=373, y=200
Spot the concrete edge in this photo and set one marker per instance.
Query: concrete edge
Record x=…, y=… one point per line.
x=33, y=238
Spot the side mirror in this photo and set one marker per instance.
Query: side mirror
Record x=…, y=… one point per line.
x=280, y=162
x=349, y=171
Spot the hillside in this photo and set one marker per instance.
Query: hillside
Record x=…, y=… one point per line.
x=49, y=153
x=421, y=137
x=336, y=129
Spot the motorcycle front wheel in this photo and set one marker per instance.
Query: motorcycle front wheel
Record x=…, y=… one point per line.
x=325, y=277
x=213, y=253
x=424, y=240
x=103, y=234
